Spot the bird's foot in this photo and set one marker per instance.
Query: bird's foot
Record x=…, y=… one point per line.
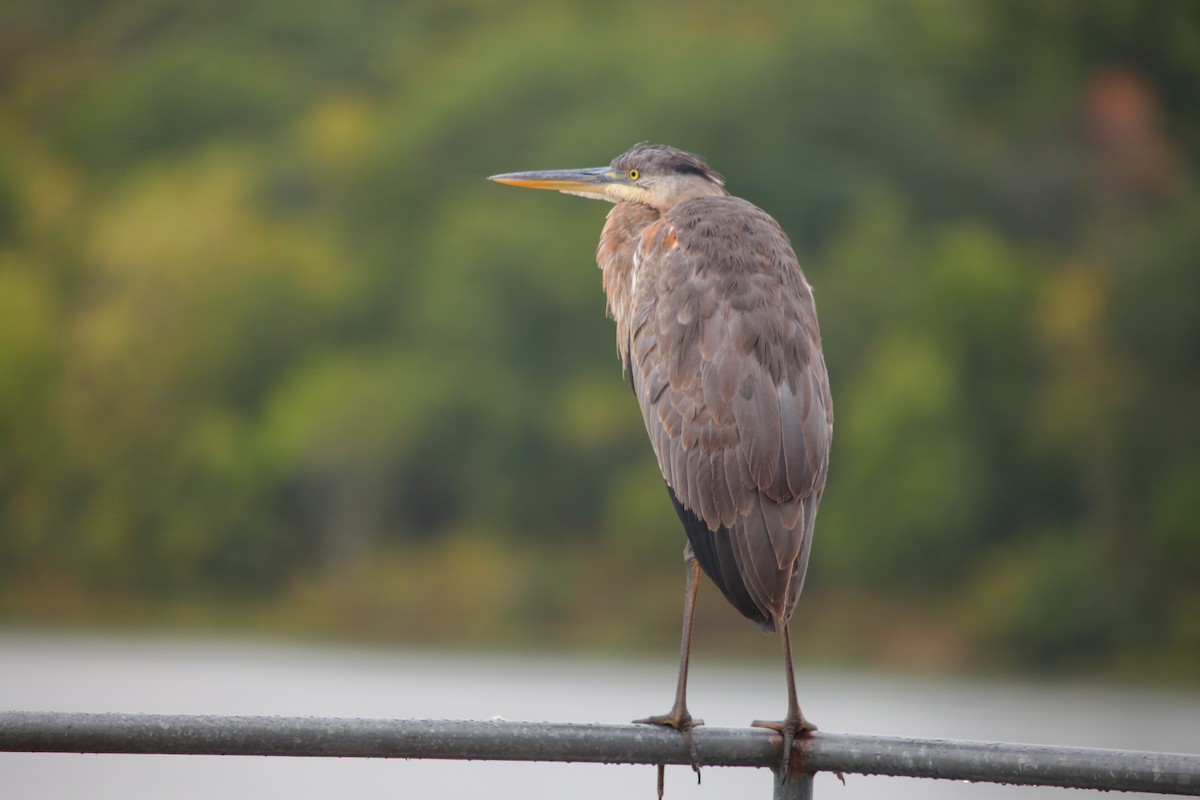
x=682, y=721
x=790, y=729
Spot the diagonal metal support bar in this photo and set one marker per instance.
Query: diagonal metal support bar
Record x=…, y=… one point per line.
x=1088, y=768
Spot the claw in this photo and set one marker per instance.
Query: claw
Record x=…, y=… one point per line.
x=790, y=729
x=684, y=723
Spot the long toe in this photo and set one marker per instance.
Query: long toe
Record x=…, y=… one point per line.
x=678, y=721
x=790, y=729
x=683, y=722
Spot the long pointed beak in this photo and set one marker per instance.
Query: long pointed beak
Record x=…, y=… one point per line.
x=593, y=181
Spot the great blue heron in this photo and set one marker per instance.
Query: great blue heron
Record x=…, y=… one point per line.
x=717, y=330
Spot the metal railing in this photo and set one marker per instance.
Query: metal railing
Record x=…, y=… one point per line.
x=501, y=740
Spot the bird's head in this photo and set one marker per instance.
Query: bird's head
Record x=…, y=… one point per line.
x=653, y=174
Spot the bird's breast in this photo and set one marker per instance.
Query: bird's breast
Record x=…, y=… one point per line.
x=619, y=258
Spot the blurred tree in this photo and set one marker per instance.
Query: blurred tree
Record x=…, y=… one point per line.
x=266, y=333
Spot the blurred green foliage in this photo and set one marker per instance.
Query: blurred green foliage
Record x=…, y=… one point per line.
x=270, y=345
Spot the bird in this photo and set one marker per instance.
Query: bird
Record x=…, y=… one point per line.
x=717, y=333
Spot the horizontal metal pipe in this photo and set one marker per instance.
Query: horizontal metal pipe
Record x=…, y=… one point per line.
x=1003, y=762
x=500, y=740
x=494, y=740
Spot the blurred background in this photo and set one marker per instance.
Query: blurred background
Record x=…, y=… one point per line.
x=277, y=361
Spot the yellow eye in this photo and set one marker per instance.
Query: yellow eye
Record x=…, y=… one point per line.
x=634, y=174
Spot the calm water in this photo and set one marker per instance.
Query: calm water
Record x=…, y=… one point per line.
x=77, y=673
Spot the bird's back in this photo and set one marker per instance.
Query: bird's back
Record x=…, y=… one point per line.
x=718, y=330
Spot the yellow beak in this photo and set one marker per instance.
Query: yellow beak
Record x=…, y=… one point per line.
x=593, y=181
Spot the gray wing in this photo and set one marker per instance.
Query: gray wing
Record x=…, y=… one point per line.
x=725, y=358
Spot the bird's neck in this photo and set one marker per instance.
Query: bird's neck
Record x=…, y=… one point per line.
x=615, y=256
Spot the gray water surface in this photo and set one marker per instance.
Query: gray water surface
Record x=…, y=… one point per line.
x=86, y=673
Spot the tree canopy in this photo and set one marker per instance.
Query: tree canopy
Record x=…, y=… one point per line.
x=269, y=340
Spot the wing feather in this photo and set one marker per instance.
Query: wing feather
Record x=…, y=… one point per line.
x=726, y=365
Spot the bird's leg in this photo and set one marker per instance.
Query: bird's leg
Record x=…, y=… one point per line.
x=678, y=717
x=794, y=724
